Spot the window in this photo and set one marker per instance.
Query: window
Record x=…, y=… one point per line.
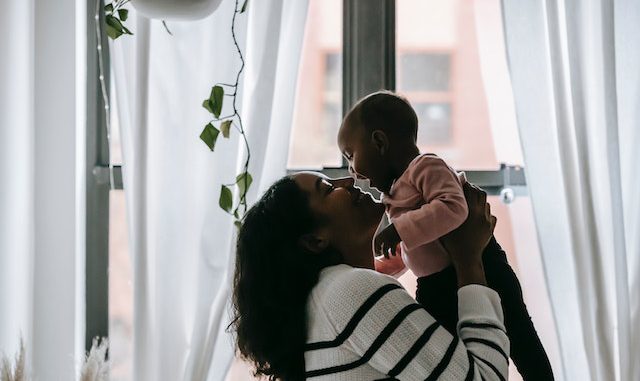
x=120, y=269
x=318, y=105
x=120, y=291
x=425, y=79
x=424, y=72
x=331, y=113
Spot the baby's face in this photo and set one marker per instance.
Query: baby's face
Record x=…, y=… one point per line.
x=365, y=160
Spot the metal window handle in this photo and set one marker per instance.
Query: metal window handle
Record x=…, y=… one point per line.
x=507, y=195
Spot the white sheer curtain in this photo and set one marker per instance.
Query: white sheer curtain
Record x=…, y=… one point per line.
x=42, y=122
x=576, y=81
x=182, y=243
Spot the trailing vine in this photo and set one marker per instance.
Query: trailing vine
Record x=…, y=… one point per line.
x=115, y=16
x=210, y=133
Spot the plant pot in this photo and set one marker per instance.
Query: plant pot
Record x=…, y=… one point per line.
x=176, y=9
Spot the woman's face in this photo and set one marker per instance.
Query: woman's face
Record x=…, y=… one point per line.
x=347, y=217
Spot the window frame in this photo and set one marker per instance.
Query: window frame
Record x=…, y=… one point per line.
x=98, y=185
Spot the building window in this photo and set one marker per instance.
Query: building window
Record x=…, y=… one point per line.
x=425, y=79
x=424, y=72
x=434, y=121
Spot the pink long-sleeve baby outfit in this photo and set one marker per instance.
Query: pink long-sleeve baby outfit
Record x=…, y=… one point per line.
x=425, y=203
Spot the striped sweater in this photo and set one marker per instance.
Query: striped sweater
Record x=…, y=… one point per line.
x=363, y=325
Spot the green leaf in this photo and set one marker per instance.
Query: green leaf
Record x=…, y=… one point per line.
x=209, y=135
x=236, y=214
x=123, y=13
x=127, y=31
x=114, y=27
x=108, y=9
x=114, y=22
x=208, y=105
x=244, y=6
x=238, y=224
x=112, y=32
x=225, y=127
x=244, y=181
x=217, y=94
x=226, y=199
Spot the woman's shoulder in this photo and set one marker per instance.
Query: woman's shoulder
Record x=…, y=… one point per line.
x=346, y=286
x=344, y=275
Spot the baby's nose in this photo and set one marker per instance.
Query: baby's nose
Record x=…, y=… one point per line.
x=355, y=174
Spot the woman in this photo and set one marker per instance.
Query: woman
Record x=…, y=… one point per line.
x=308, y=306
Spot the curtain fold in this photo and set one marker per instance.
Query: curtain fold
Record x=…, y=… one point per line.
x=16, y=174
x=42, y=179
x=182, y=242
x=574, y=70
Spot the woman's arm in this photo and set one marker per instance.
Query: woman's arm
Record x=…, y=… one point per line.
x=466, y=244
x=379, y=322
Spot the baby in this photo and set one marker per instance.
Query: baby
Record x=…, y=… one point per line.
x=424, y=200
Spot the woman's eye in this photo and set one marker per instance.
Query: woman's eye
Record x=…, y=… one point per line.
x=329, y=188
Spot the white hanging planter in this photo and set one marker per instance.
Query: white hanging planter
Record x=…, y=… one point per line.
x=176, y=9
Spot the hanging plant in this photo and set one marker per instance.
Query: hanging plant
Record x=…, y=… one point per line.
x=210, y=133
x=115, y=16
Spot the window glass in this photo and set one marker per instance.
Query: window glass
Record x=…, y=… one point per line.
x=424, y=71
x=440, y=69
x=120, y=291
x=435, y=121
x=115, y=144
x=120, y=271
x=333, y=73
x=318, y=102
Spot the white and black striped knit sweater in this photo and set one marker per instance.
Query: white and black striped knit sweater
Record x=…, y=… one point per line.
x=364, y=326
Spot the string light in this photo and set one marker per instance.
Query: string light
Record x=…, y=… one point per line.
x=103, y=88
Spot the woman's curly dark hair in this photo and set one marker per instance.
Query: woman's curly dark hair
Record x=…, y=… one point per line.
x=273, y=278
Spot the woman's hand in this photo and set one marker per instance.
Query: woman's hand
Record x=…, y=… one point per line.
x=466, y=244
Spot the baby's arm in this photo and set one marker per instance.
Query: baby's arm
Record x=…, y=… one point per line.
x=445, y=207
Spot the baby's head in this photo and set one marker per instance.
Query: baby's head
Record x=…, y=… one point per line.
x=375, y=134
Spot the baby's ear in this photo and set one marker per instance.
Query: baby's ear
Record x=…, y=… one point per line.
x=380, y=140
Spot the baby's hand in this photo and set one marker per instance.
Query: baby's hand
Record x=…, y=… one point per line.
x=386, y=241
x=392, y=266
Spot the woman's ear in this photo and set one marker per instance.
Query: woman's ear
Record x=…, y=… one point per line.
x=380, y=141
x=315, y=243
